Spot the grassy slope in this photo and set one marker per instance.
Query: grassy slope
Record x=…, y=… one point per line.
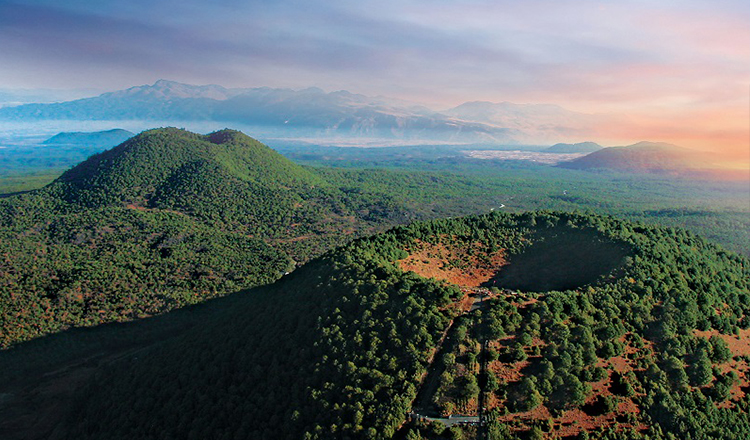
x=22, y=181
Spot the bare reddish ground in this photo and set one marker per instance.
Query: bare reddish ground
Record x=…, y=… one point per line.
x=294, y=239
x=434, y=261
x=521, y=301
x=508, y=372
x=469, y=408
x=492, y=401
x=740, y=389
x=452, y=264
x=466, y=302
x=739, y=345
x=571, y=422
x=618, y=363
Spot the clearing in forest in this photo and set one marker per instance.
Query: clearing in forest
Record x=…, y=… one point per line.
x=467, y=265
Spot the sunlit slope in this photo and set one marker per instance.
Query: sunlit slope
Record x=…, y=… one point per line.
x=157, y=161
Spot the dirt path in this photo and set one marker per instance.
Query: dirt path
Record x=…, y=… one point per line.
x=481, y=432
x=422, y=404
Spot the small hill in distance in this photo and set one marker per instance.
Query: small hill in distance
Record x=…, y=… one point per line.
x=106, y=138
x=159, y=222
x=169, y=163
x=580, y=147
x=653, y=157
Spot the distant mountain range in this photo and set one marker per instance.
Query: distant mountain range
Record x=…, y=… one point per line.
x=14, y=97
x=532, y=122
x=314, y=112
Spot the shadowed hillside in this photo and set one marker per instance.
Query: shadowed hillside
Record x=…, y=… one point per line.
x=341, y=347
x=561, y=258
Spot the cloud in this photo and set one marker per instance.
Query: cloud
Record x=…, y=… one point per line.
x=646, y=58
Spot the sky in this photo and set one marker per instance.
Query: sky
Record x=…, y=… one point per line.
x=676, y=71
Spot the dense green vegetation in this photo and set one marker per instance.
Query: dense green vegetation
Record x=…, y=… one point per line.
x=162, y=160
x=112, y=264
x=337, y=349
x=13, y=183
x=21, y=160
x=719, y=211
x=630, y=329
x=613, y=345
x=126, y=207
x=171, y=218
x=441, y=181
x=166, y=219
x=105, y=138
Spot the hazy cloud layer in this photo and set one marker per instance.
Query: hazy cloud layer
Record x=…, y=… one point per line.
x=674, y=60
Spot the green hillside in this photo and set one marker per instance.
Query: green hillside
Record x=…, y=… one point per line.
x=166, y=219
x=334, y=349
x=343, y=347
x=654, y=347
x=153, y=162
x=640, y=157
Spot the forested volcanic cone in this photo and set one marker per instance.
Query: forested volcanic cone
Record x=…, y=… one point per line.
x=650, y=345
x=167, y=219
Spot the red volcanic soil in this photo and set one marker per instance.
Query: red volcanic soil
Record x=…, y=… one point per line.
x=740, y=348
x=571, y=422
x=467, y=266
x=738, y=344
